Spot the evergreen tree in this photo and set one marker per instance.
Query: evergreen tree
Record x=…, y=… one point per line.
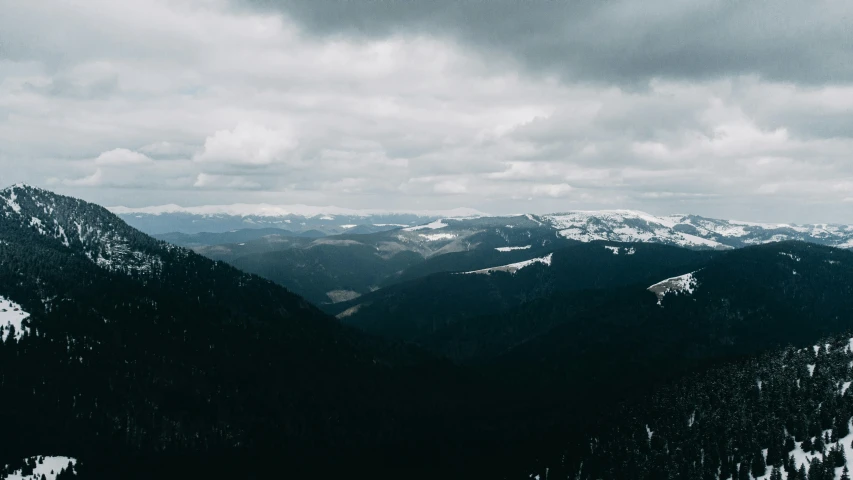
x=801, y=473
x=776, y=474
x=816, y=469
x=759, y=467
x=789, y=444
x=819, y=445
x=790, y=465
x=743, y=471
x=845, y=474
x=842, y=428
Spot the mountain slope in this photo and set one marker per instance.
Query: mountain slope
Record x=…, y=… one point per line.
x=741, y=303
x=420, y=309
x=326, y=277
x=149, y=359
x=781, y=411
x=335, y=268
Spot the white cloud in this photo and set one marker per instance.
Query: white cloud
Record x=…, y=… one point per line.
x=451, y=186
x=209, y=103
x=552, y=190
x=122, y=156
x=204, y=180
x=92, y=180
x=248, y=144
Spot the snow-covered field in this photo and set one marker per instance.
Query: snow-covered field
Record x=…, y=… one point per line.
x=11, y=314
x=49, y=467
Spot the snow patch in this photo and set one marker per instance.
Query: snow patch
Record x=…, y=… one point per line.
x=432, y=226
x=509, y=249
x=48, y=467
x=337, y=296
x=431, y=237
x=791, y=256
x=12, y=316
x=681, y=284
x=513, y=267
x=614, y=250
x=349, y=312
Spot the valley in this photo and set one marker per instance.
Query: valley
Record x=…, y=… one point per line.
x=498, y=345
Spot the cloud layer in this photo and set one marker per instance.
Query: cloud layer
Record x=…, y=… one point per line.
x=716, y=108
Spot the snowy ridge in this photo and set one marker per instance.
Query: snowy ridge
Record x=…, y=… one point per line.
x=11, y=318
x=76, y=224
x=689, y=230
x=624, y=226
x=42, y=467
x=513, y=267
x=681, y=284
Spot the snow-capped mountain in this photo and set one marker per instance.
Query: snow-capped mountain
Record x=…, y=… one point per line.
x=79, y=226
x=689, y=231
x=628, y=226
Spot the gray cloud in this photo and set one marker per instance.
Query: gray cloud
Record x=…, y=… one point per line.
x=615, y=41
x=504, y=107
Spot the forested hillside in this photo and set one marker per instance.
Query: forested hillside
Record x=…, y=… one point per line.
x=183, y=364
x=782, y=414
x=132, y=355
x=439, y=304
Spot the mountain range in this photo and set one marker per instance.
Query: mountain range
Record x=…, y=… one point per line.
x=614, y=225
x=565, y=346
x=328, y=268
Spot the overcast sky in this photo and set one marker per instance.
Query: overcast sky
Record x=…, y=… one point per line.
x=731, y=109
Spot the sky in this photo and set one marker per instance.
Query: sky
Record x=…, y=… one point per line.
x=725, y=109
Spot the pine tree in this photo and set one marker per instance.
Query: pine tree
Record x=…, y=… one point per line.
x=776, y=474
x=801, y=473
x=790, y=465
x=759, y=466
x=789, y=444
x=816, y=469
x=743, y=471
x=807, y=445
x=819, y=445
x=845, y=474
x=842, y=428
